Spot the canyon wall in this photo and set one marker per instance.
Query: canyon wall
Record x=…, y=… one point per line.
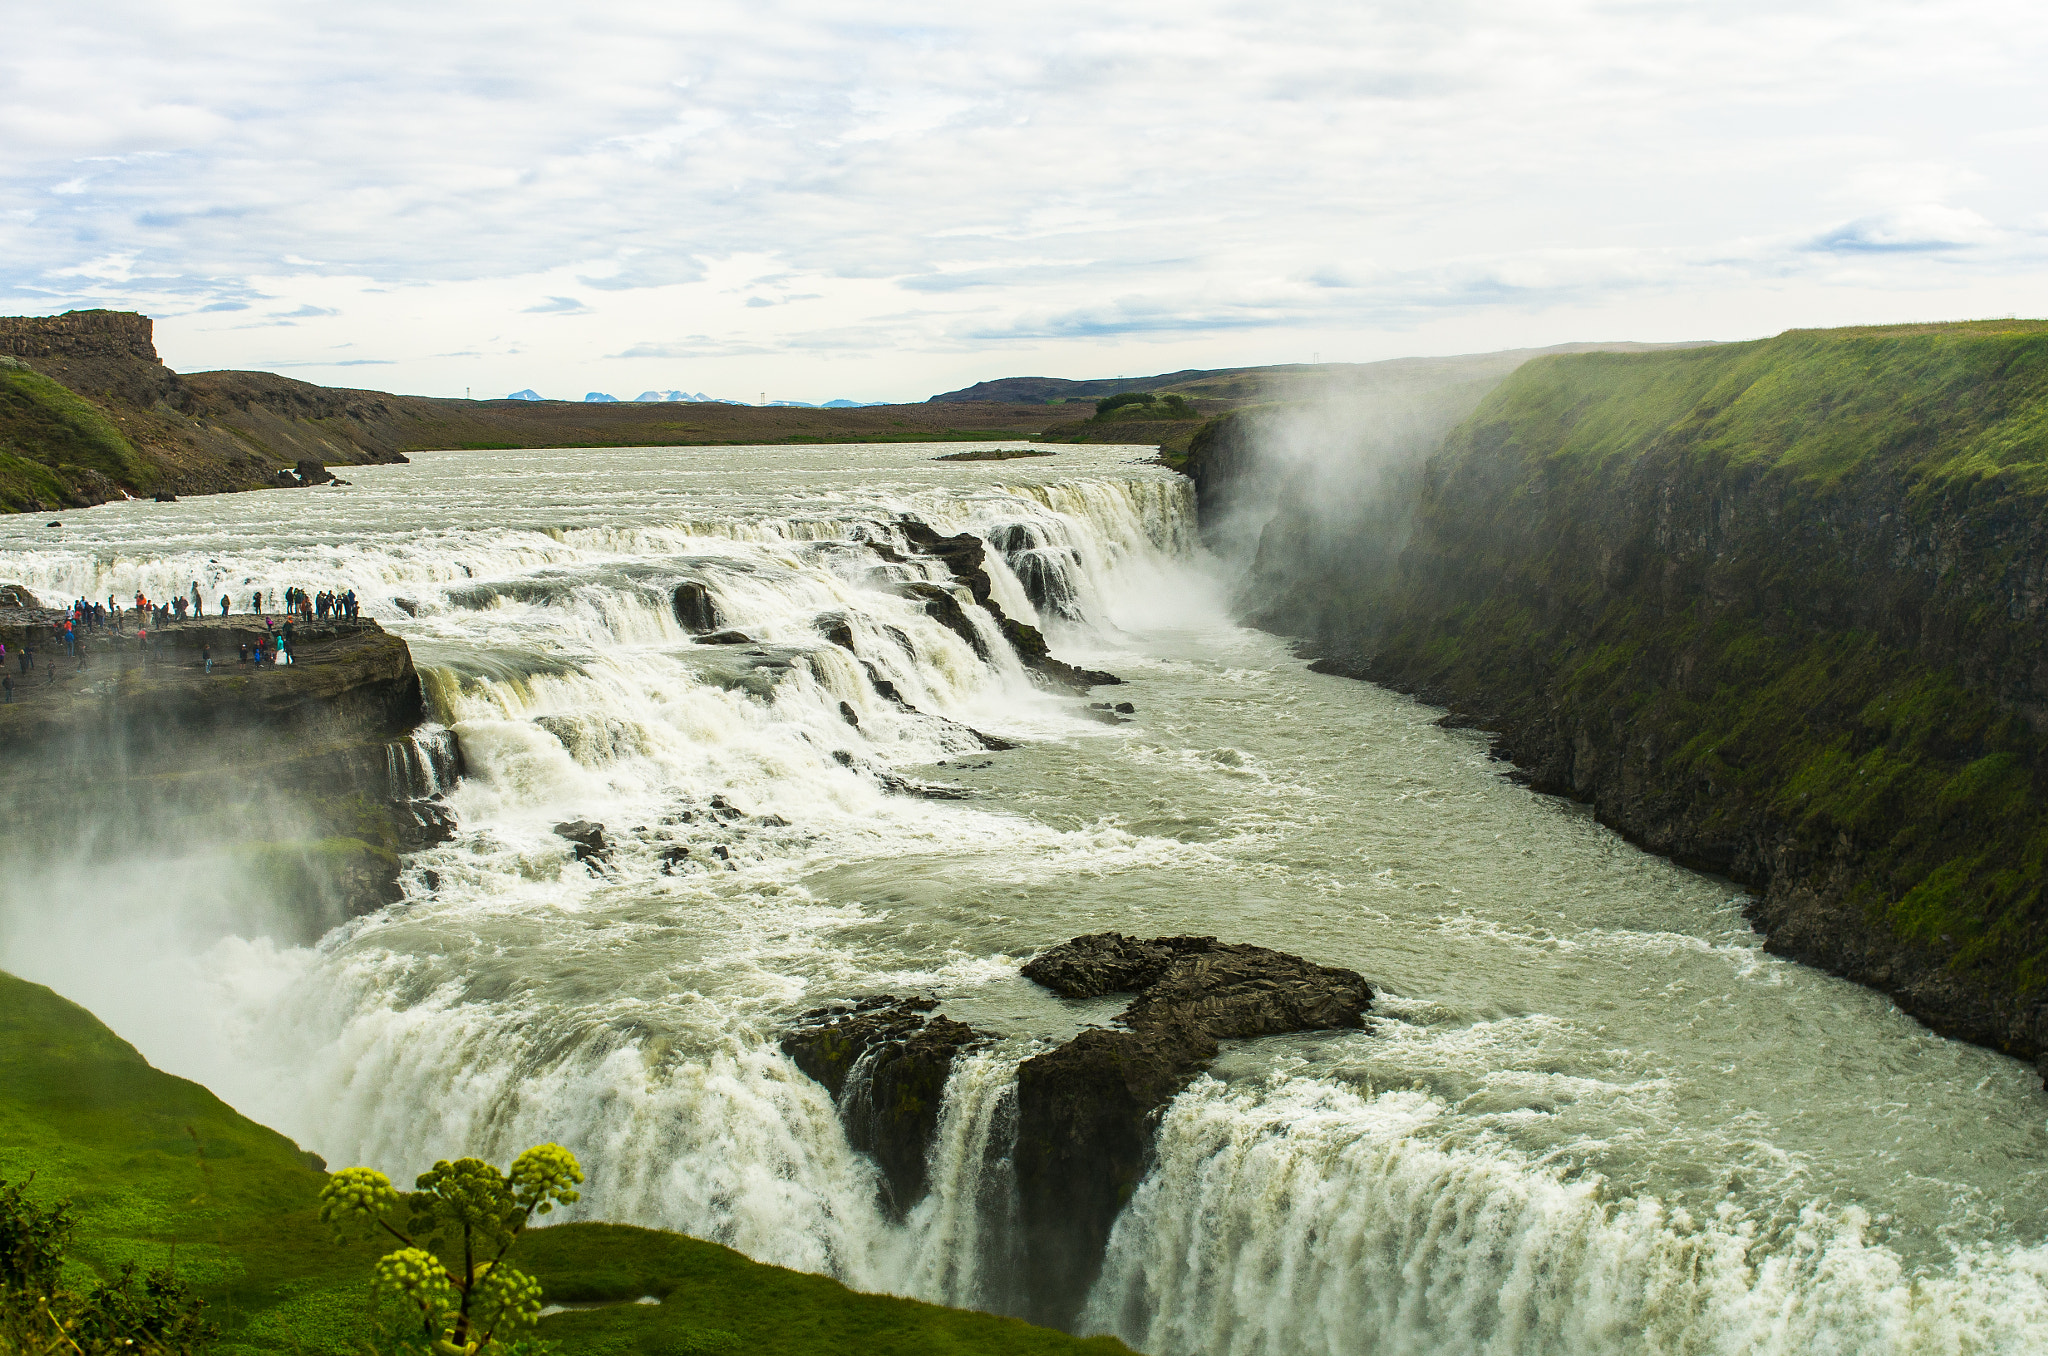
x=1777, y=609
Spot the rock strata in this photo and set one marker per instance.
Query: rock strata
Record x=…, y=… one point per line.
x=885, y=1060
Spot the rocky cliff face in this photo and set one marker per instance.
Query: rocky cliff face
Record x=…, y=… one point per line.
x=80, y=334
x=305, y=781
x=1776, y=610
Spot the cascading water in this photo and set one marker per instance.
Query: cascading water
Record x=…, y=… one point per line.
x=1588, y=1115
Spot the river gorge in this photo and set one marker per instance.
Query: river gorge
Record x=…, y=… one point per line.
x=1586, y=1112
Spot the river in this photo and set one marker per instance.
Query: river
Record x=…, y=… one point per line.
x=1587, y=1113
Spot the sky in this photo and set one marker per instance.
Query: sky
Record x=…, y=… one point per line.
x=884, y=200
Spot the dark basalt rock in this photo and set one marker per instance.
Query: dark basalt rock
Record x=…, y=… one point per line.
x=1086, y=1110
x=726, y=638
x=885, y=1061
x=591, y=848
x=942, y=607
x=835, y=628
x=694, y=609
x=966, y=557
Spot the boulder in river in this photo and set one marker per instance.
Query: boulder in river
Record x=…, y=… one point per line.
x=591, y=849
x=836, y=629
x=695, y=612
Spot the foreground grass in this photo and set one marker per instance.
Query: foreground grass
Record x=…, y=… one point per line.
x=160, y=1171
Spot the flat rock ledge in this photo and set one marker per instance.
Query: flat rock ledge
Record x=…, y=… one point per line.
x=1086, y=1111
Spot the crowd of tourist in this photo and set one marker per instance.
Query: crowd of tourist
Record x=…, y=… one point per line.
x=84, y=616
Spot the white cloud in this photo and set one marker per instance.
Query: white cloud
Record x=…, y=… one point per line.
x=954, y=192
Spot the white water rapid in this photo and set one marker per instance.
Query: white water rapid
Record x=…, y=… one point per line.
x=1587, y=1115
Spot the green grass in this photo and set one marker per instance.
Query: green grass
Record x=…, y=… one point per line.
x=154, y=1164
x=1945, y=405
x=50, y=438
x=705, y=1287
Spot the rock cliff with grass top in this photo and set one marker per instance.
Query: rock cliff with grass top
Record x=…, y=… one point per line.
x=1776, y=609
x=301, y=782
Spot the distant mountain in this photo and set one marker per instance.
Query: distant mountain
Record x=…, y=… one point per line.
x=528, y=394
x=846, y=404
x=794, y=404
x=600, y=398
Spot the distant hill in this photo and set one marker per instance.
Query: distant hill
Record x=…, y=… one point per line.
x=1283, y=381
x=89, y=413
x=1437, y=390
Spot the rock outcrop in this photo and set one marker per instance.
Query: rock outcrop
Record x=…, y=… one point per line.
x=885, y=1060
x=966, y=558
x=1086, y=1111
x=307, y=776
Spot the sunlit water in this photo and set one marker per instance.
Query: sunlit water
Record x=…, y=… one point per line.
x=1588, y=1115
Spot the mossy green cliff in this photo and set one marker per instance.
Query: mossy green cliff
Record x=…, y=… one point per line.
x=1778, y=609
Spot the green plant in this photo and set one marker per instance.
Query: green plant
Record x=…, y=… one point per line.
x=450, y=1282
x=42, y=1315
x=1116, y=402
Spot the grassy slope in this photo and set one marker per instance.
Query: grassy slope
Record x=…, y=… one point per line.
x=1941, y=403
x=151, y=1161
x=1757, y=708
x=50, y=437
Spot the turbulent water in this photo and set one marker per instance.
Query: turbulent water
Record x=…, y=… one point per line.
x=1588, y=1113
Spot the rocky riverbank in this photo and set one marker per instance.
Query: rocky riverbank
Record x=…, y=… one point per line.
x=1778, y=610
x=1085, y=1111
x=309, y=778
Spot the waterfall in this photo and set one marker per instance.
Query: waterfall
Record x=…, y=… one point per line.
x=1300, y=1216
x=563, y=683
